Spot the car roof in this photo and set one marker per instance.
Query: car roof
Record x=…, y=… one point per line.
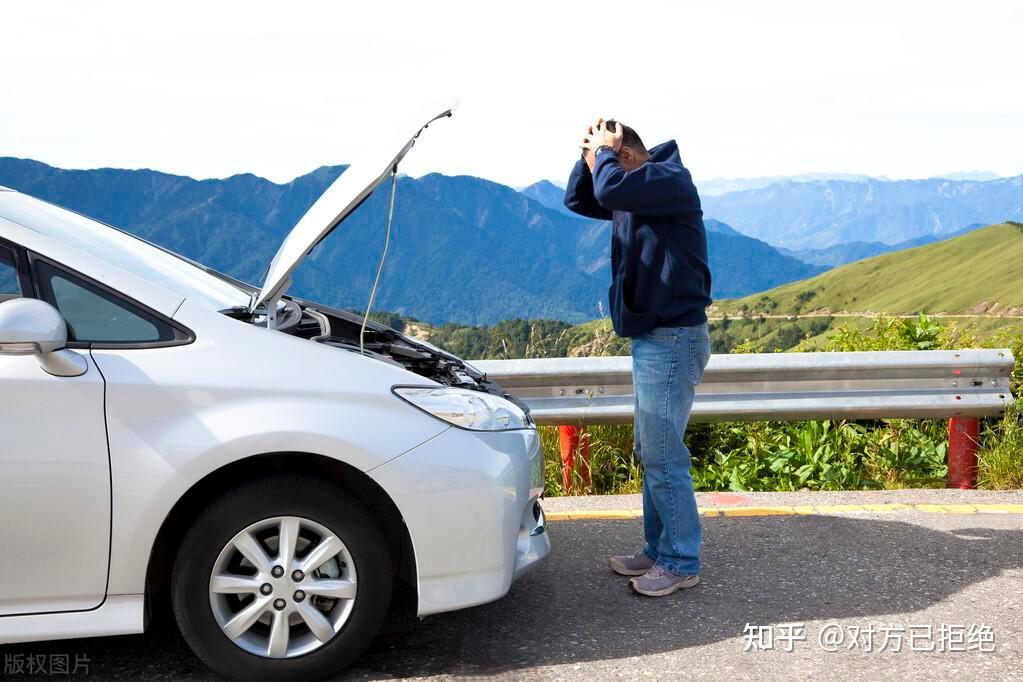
x=106, y=253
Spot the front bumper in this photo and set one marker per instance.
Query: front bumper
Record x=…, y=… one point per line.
x=471, y=502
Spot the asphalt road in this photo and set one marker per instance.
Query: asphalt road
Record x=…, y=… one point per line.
x=574, y=619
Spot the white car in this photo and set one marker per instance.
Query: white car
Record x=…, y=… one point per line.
x=164, y=427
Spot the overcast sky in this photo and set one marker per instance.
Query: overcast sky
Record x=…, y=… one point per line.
x=895, y=88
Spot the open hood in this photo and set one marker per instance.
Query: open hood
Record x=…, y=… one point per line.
x=341, y=199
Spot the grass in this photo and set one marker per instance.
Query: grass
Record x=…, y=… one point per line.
x=813, y=455
x=960, y=275
x=1000, y=459
x=613, y=467
x=801, y=333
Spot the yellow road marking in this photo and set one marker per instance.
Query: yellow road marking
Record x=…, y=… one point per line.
x=887, y=507
x=758, y=511
x=839, y=508
x=999, y=508
x=825, y=509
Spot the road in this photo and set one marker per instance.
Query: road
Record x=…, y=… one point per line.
x=797, y=574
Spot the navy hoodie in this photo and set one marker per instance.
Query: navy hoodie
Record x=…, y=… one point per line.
x=660, y=275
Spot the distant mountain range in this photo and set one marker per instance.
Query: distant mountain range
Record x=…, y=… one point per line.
x=840, y=254
x=737, y=262
x=473, y=251
x=463, y=249
x=822, y=213
x=716, y=186
x=548, y=194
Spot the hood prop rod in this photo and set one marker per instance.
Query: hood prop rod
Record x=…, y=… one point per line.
x=383, y=257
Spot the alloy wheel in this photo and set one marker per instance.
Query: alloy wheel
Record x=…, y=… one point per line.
x=283, y=587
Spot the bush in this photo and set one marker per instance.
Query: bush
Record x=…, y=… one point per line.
x=1000, y=458
x=814, y=455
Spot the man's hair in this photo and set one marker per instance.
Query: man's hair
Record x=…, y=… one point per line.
x=630, y=138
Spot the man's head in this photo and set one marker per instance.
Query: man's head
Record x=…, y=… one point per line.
x=633, y=153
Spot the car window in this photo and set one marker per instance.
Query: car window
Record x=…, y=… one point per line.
x=9, y=287
x=94, y=315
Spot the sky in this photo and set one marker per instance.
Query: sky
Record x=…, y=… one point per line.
x=210, y=89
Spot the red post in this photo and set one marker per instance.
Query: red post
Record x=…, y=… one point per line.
x=569, y=440
x=963, y=437
x=574, y=439
x=584, y=450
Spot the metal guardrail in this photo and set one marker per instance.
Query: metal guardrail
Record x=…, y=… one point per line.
x=776, y=386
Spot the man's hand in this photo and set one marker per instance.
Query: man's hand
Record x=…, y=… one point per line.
x=598, y=135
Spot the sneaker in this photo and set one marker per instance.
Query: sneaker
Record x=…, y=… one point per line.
x=634, y=564
x=658, y=582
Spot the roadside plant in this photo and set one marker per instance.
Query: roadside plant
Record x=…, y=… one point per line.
x=807, y=455
x=1000, y=458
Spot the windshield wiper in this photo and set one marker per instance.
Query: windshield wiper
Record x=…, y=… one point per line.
x=236, y=310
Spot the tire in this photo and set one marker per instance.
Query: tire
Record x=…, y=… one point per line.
x=254, y=510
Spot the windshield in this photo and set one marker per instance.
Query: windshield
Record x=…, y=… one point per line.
x=121, y=249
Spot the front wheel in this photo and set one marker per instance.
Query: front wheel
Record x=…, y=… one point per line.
x=287, y=576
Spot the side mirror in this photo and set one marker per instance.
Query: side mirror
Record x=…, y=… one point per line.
x=29, y=326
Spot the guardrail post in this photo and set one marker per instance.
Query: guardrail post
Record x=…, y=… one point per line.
x=963, y=439
x=574, y=439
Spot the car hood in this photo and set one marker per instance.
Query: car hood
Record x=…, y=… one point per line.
x=342, y=198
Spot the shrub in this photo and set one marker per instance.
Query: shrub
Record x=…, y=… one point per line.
x=1000, y=458
x=818, y=454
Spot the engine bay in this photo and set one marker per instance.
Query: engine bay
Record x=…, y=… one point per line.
x=341, y=329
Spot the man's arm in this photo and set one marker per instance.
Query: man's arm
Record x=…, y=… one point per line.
x=651, y=189
x=579, y=193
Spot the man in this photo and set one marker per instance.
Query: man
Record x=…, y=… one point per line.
x=660, y=288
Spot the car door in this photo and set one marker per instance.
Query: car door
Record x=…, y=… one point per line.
x=54, y=478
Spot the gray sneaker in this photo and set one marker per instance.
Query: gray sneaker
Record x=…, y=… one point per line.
x=658, y=582
x=634, y=564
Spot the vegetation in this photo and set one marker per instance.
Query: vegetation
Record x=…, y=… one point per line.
x=508, y=339
x=966, y=275
x=1000, y=459
x=814, y=455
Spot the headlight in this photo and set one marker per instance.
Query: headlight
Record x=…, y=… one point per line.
x=466, y=409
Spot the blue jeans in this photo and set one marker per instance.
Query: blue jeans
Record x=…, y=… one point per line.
x=667, y=364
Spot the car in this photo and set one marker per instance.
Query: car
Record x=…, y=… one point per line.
x=271, y=465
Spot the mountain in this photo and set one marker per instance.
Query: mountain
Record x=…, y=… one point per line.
x=737, y=263
x=977, y=273
x=453, y=238
x=548, y=194
x=233, y=225
x=740, y=264
x=552, y=196
x=718, y=226
x=715, y=186
x=840, y=254
x=822, y=213
x=969, y=175
x=462, y=249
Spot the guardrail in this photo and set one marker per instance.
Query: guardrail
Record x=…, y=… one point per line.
x=961, y=385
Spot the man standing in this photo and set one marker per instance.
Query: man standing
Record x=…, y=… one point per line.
x=660, y=287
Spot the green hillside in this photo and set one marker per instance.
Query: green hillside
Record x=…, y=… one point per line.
x=972, y=284
x=980, y=273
